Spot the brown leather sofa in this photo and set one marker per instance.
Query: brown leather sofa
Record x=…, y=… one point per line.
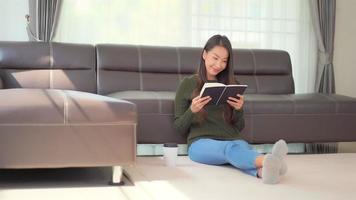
x=51, y=116
x=63, y=105
x=149, y=76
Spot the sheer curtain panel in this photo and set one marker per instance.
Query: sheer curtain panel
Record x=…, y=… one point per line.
x=267, y=24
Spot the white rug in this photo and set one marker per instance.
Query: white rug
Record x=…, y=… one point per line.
x=322, y=176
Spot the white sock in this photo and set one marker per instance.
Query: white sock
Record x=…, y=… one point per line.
x=271, y=169
x=284, y=168
x=280, y=149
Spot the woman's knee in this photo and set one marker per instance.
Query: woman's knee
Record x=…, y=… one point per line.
x=241, y=155
x=242, y=143
x=195, y=152
x=202, y=153
x=230, y=148
x=205, y=158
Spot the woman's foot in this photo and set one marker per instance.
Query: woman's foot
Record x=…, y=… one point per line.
x=271, y=169
x=282, y=171
x=284, y=168
x=280, y=149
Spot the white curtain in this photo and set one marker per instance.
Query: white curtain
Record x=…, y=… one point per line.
x=12, y=20
x=268, y=24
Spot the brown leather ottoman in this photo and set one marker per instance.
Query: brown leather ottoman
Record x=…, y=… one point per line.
x=50, y=128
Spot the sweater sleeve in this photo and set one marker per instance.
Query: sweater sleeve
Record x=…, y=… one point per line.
x=183, y=114
x=239, y=119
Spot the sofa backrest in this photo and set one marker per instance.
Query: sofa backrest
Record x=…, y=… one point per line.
x=129, y=67
x=48, y=65
x=147, y=68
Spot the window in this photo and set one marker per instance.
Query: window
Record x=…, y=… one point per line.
x=12, y=21
x=268, y=24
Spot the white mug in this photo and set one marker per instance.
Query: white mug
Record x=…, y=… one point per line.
x=170, y=153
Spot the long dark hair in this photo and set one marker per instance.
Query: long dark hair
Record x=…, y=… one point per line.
x=226, y=76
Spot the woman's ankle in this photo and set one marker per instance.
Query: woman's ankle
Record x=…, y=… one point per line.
x=259, y=173
x=259, y=161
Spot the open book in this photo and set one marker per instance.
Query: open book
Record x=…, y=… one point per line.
x=220, y=93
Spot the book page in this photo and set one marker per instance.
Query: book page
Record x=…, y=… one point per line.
x=209, y=85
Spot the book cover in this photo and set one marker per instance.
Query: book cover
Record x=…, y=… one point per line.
x=220, y=92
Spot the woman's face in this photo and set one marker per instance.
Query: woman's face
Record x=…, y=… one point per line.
x=215, y=61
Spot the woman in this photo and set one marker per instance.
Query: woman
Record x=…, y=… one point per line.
x=214, y=130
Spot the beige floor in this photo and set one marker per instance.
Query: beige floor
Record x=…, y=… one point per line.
x=327, y=176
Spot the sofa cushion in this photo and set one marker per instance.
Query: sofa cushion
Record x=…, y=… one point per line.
x=55, y=65
x=159, y=102
x=155, y=109
x=31, y=106
x=299, y=118
x=163, y=103
x=315, y=103
x=51, y=106
x=136, y=67
x=294, y=117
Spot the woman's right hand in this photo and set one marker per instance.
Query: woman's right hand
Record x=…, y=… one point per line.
x=198, y=103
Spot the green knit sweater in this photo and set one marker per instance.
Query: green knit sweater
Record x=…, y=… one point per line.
x=214, y=126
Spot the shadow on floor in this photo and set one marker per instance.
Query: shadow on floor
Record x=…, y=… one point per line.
x=56, y=178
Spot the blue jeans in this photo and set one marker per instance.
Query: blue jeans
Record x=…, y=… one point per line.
x=238, y=153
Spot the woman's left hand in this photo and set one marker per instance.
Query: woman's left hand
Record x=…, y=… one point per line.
x=236, y=103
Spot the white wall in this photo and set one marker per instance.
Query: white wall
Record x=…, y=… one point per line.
x=345, y=56
x=12, y=20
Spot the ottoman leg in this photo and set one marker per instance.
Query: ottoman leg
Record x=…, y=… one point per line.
x=117, y=173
